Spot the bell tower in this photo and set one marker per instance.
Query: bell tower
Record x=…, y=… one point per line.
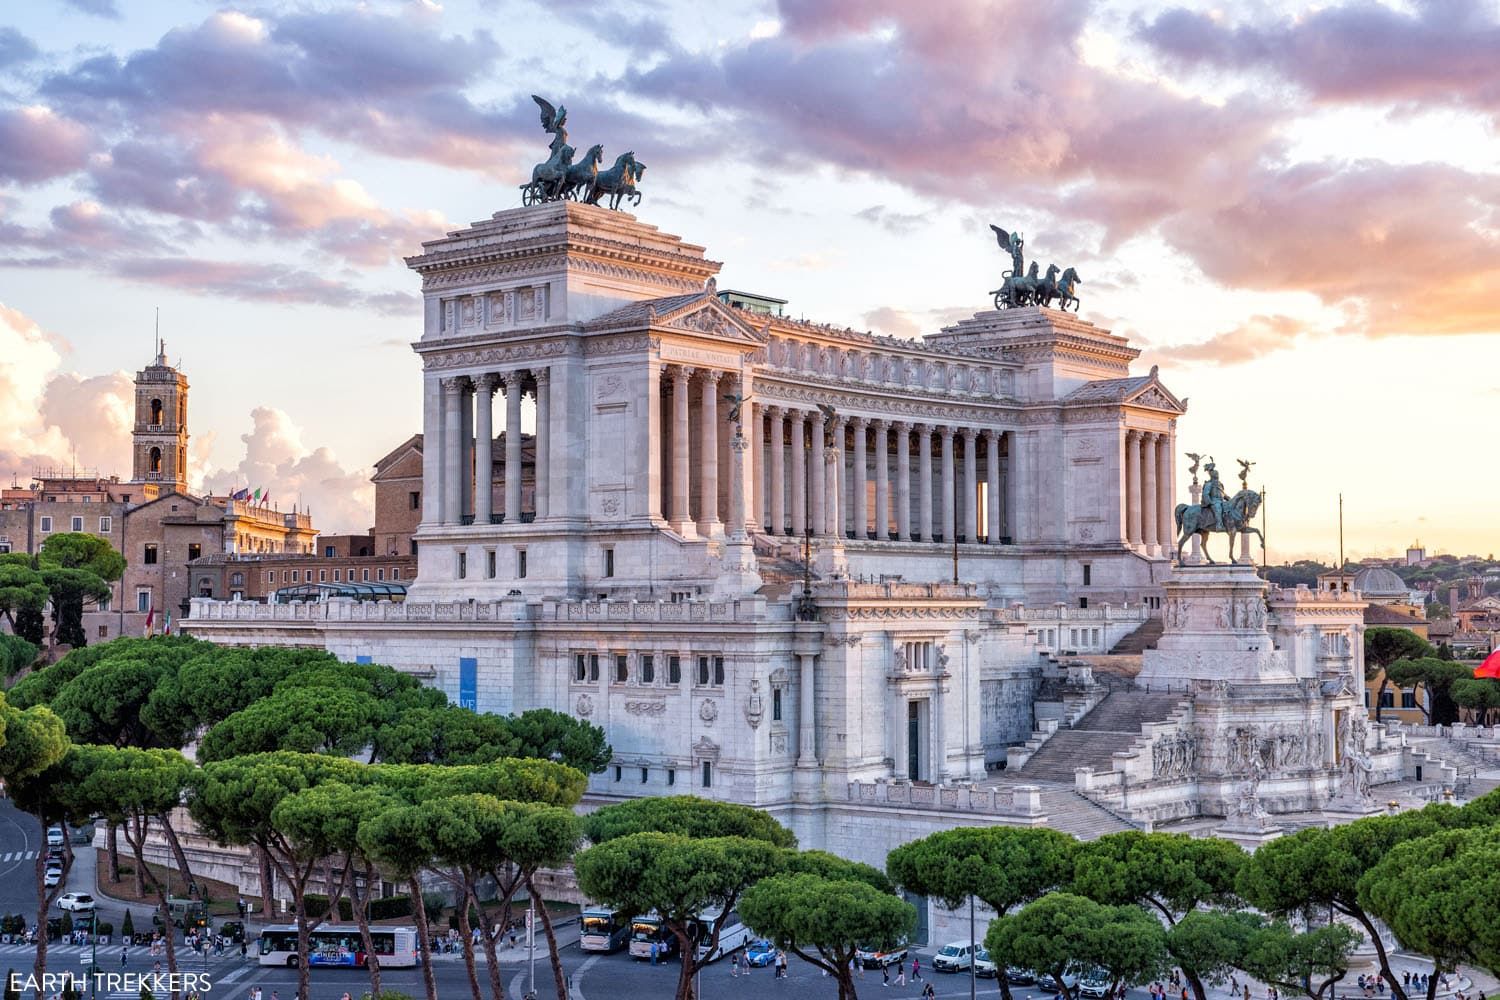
x=160, y=435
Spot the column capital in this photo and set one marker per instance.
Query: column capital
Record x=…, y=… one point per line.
x=682, y=373
x=542, y=376
x=947, y=432
x=968, y=433
x=774, y=411
x=712, y=375
x=880, y=423
x=859, y=423
x=454, y=384
x=922, y=427
x=513, y=379
x=486, y=383
x=1132, y=434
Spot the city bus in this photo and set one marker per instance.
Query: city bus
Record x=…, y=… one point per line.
x=644, y=930
x=395, y=946
x=603, y=930
x=734, y=934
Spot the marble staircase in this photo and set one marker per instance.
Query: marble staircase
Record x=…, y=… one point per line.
x=1143, y=638
x=1092, y=741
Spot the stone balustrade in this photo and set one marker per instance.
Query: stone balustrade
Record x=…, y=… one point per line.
x=1065, y=614
x=1017, y=800
x=347, y=610
x=661, y=611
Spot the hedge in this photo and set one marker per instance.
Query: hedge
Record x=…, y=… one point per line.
x=380, y=909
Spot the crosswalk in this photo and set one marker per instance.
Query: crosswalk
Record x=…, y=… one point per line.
x=18, y=856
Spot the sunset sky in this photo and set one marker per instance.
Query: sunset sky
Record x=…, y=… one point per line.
x=1294, y=209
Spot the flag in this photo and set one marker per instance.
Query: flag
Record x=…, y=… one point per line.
x=243, y=494
x=1490, y=667
x=256, y=497
x=150, y=620
x=166, y=628
x=265, y=499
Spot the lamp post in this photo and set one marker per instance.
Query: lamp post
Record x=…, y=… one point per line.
x=973, y=952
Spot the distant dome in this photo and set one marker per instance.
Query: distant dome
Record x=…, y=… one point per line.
x=1377, y=581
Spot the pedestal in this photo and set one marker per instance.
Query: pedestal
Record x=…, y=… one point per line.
x=1195, y=556
x=1214, y=629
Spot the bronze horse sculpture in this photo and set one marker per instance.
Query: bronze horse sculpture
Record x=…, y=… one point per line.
x=1195, y=519
x=618, y=181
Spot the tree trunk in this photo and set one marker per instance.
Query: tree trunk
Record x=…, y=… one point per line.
x=1392, y=980
x=359, y=903
x=177, y=851
x=267, y=883
x=1432, y=983
x=333, y=892
x=505, y=889
x=112, y=847
x=541, y=912
x=44, y=903
x=491, y=954
x=304, y=941
x=1196, y=982
x=1380, y=696
x=137, y=844
x=424, y=935
x=466, y=940
x=689, y=950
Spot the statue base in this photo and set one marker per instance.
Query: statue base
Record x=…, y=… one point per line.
x=831, y=563
x=1347, y=809
x=1214, y=629
x=741, y=574
x=1248, y=838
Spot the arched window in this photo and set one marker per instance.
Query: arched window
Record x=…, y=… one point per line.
x=156, y=460
x=156, y=411
x=237, y=579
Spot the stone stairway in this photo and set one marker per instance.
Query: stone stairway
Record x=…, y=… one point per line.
x=1142, y=638
x=1113, y=725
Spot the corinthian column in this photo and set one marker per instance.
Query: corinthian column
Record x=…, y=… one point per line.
x=950, y=522
x=861, y=503
x=484, y=446
x=1133, y=487
x=799, y=472
x=882, y=480
x=453, y=481
x=543, y=442
x=681, y=450
x=819, y=513
x=903, y=480
x=777, y=445
x=708, y=480
x=513, y=383
x=1149, y=502
x=971, y=486
x=924, y=482
x=1165, y=483
x=992, y=485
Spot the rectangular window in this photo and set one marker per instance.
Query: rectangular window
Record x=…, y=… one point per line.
x=1409, y=698
x=593, y=666
x=580, y=667
x=413, y=545
x=1087, y=574
x=520, y=564
x=1083, y=603
x=776, y=704
x=328, y=551
x=195, y=551
x=270, y=577
x=296, y=576
x=414, y=500
x=395, y=572
x=708, y=775
x=674, y=670
x=338, y=576
x=648, y=668
x=645, y=774
x=719, y=671
x=143, y=601
x=609, y=562
x=489, y=564
x=148, y=555
x=703, y=671
x=1387, y=699
x=103, y=604
x=463, y=566
x=104, y=631
x=380, y=572
x=364, y=576
x=76, y=524
x=322, y=576
x=622, y=668
x=46, y=523
x=106, y=525
x=618, y=772
x=671, y=776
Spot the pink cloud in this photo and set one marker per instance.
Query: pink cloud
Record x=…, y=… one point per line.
x=37, y=144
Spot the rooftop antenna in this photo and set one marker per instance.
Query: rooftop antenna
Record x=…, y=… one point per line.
x=1341, y=537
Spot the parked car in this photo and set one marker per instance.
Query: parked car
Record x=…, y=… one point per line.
x=953, y=956
x=75, y=901
x=879, y=958
x=760, y=953
x=1095, y=984
x=54, y=836
x=1019, y=977
x=983, y=966
x=53, y=877
x=1048, y=983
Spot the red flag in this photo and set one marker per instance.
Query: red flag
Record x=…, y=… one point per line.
x=150, y=619
x=1490, y=667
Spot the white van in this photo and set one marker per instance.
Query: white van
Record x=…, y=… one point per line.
x=954, y=957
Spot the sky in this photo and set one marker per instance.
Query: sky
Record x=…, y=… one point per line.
x=1293, y=209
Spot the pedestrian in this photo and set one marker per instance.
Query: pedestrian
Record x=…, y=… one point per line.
x=916, y=968
x=734, y=965
x=1234, y=986
x=901, y=974
x=928, y=993
x=1247, y=991
x=124, y=957
x=653, y=952
x=885, y=974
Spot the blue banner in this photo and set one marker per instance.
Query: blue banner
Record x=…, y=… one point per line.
x=468, y=682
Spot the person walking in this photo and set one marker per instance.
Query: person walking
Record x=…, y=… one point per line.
x=901, y=974
x=124, y=957
x=885, y=975
x=653, y=952
x=916, y=968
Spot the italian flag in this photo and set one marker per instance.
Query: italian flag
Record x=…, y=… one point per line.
x=1490, y=667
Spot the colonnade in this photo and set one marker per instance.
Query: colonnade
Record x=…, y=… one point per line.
x=879, y=498
x=464, y=440
x=1148, y=478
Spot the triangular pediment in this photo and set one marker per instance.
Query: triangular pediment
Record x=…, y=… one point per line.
x=710, y=316
x=1155, y=396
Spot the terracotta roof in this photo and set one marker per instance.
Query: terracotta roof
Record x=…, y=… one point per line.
x=415, y=441
x=1441, y=627
x=1379, y=614
x=636, y=313
x=1109, y=390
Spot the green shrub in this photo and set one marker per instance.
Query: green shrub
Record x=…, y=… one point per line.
x=16, y=654
x=67, y=924
x=315, y=904
x=127, y=926
x=11, y=993
x=434, y=904
x=106, y=928
x=386, y=909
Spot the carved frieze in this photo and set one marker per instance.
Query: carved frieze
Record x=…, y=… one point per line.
x=646, y=707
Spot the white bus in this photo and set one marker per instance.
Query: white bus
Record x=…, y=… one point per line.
x=647, y=929
x=396, y=947
x=732, y=935
x=603, y=930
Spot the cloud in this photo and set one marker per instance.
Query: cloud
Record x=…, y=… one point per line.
x=897, y=223
x=95, y=414
x=250, y=282
x=895, y=322
x=15, y=48
x=275, y=457
x=1253, y=339
x=36, y=144
x=98, y=8
x=1430, y=52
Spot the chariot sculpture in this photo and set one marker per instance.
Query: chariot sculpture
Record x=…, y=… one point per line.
x=559, y=178
x=1022, y=287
